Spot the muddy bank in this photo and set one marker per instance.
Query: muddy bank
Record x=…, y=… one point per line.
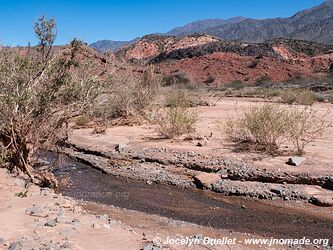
x=205, y=208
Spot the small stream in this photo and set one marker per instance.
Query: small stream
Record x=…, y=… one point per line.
x=205, y=208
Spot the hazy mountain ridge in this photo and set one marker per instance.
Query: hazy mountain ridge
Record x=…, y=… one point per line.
x=305, y=25
x=106, y=45
x=315, y=24
x=201, y=25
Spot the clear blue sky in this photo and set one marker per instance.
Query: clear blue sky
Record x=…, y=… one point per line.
x=92, y=20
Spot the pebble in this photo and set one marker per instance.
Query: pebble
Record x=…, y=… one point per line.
x=15, y=246
x=120, y=147
x=51, y=223
x=36, y=211
x=191, y=154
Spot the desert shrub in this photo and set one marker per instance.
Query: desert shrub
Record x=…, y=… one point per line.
x=3, y=156
x=253, y=92
x=82, y=120
x=175, y=79
x=266, y=127
x=210, y=79
x=254, y=63
x=177, y=121
x=263, y=80
x=298, y=96
x=237, y=84
x=132, y=97
x=99, y=129
x=180, y=97
x=307, y=126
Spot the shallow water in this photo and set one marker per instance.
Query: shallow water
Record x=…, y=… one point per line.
x=205, y=208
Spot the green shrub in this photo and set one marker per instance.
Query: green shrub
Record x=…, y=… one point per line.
x=3, y=156
x=180, y=97
x=131, y=97
x=175, y=79
x=237, y=84
x=263, y=80
x=82, y=120
x=298, y=96
x=177, y=121
x=266, y=127
x=307, y=126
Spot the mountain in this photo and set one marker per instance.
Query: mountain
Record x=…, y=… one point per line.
x=201, y=25
x=106, y=45
x=315, y=24
x=207, y=59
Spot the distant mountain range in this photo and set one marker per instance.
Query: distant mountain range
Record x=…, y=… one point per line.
x=315, y=24
x=106, y=45
x=202, y=25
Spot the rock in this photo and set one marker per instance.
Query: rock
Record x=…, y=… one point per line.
x=206, y=180
x=120, y=147
x=202, y=143
x=149, y=246
x=276, y=191
x=36, y=211
x=191, y=154
x=322, y=200
x=295, y=161
x=149, y=182
x=15, y=246
x=50, y=223
x=64, y=220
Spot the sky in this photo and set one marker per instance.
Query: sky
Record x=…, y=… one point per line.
x=93, y=20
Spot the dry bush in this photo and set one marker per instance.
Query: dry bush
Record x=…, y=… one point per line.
x=298, y=96
x=180, y=97
x=266, y=127
x=3, y=156
x=82, y=120
x=308, y=125
x=39, y=94
x=237, y=84
x=177, y=121
x=131, y=97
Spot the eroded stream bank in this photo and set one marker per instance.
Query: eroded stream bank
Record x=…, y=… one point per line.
x=81, y=181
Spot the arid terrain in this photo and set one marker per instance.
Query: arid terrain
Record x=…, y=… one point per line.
x=221, y=129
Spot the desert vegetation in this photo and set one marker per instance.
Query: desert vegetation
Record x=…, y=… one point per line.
x=131, y=97
x=41, y=91
x=296, y=91
x=267, y=127
x=177, y=121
